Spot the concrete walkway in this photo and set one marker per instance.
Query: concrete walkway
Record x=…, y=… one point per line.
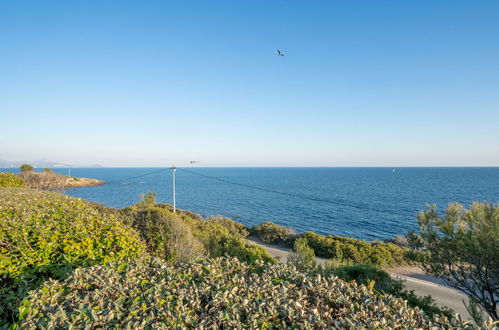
x=414, y=279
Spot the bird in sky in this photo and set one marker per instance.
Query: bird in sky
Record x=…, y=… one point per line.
x=279, y=53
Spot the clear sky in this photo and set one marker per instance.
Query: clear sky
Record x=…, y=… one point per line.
x=145, y=83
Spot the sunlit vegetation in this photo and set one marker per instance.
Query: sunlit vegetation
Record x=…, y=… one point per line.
x=67, y=262
x=218, y=293
x=10, y=180
x=185, y=236
x=47, y=235
x=461, y=247
x=335, y=247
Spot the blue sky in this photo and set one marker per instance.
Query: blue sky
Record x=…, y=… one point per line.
x=147, y=83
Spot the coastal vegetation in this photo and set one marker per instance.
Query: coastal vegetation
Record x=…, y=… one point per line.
x=222, y=293
x=67, y=262
x=46, y=180
x=185, y=236
x=461, y=247
x=47, y=235
x=272, y=233
x=10, y=180
x=303, y=259
x=345, y=249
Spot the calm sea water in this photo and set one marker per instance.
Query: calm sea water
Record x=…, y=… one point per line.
x=364, y=203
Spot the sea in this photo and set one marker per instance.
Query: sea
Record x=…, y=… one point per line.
x=363, y=203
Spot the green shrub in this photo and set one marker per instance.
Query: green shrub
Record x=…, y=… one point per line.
x=167, y=236
x=213, y=237
x=383, y=282
x=272, y=233
x=219, y=241
x=357, y=251
x=215, y=294
x=46, y=235
x=233, y=227
x=364, y=274
x=47, y=170
x=10, y=180
x=302, y=257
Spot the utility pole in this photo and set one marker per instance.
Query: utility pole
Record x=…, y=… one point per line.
x=174, y=169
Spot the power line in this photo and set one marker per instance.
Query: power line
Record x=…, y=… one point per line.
x=138, y=176
x=310, y=198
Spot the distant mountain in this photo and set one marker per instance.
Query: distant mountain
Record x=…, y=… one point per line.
x=93, y=166
x=42, y=163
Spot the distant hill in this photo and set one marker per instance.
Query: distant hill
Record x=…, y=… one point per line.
x=42, y=163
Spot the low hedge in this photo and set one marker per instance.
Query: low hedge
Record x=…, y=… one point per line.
x=357, y=251
x=219, y=294
x=45, y=235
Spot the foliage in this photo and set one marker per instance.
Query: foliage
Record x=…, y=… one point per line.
x=45, y=234
x=302, y=257
x=272, y=233
x=398, y=240
x=10, y=180
x=44, y=180
x=358, y=251
x=184, y=235
x=383, y=282
x=167, y=236
x=215, y=294
x=47, y=170
x=26, y=168
x=462, y=248
x=220, y=241
x=233, y=227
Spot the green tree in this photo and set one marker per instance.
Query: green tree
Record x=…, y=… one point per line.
x=47, y=170
x=26, y=168
x=462, y=248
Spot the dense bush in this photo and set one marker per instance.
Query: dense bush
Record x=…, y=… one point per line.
x=10, y=180
x=219, y=294
x=45, y=234
x=167, y=236
x=358, y=251
x=44, y=180
x=383, y=282
x=272, y=233
x=184, y=235
x=363, y=274
x=233, y=227
x=221, y=241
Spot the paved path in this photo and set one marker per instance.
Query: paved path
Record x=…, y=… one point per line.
x=414, y=279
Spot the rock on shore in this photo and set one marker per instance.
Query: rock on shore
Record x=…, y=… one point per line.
x=83, y=182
